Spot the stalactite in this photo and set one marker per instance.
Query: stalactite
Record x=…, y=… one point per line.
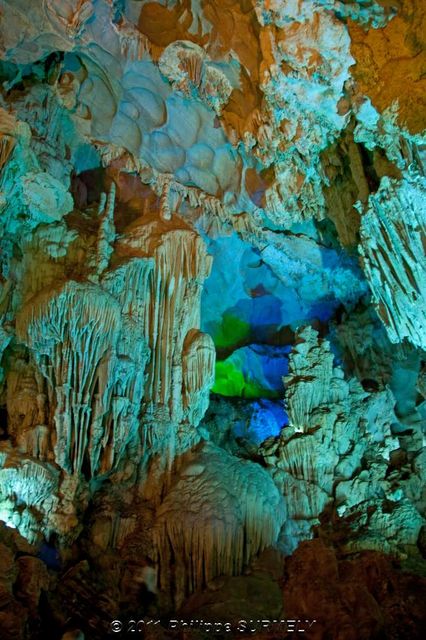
x=26, y=408
x=79, y=12
x=393, y=235
x=165, y=211
x=181, y=265
x=73, y=333
x=188, y=67
x=106, y=233
x=198, y=358
x=134, y=45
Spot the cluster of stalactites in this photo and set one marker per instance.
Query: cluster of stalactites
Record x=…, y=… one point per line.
x=393, y=237
x=188, y=68
x=181, y=369
x=93, y=361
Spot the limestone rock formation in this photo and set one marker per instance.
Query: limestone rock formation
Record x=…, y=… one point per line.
x=393, y=256
x=212, y=310
x=336, y=453
x=219, y=514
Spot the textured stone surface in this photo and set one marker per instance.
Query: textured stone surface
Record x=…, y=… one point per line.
x=393, y=256
x=212, y=314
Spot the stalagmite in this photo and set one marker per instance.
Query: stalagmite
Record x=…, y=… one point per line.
x=308, y=390
x=337, y=448
x=220, y=512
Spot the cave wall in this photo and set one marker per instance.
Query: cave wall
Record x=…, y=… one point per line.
x=212, y=302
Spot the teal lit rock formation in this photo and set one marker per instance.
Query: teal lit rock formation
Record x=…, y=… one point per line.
x=212, y=314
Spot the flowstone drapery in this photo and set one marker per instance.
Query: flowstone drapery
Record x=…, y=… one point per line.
x=220, y=513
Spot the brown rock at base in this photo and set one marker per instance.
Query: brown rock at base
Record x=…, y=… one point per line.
x=354, y=598
x=32, y=579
